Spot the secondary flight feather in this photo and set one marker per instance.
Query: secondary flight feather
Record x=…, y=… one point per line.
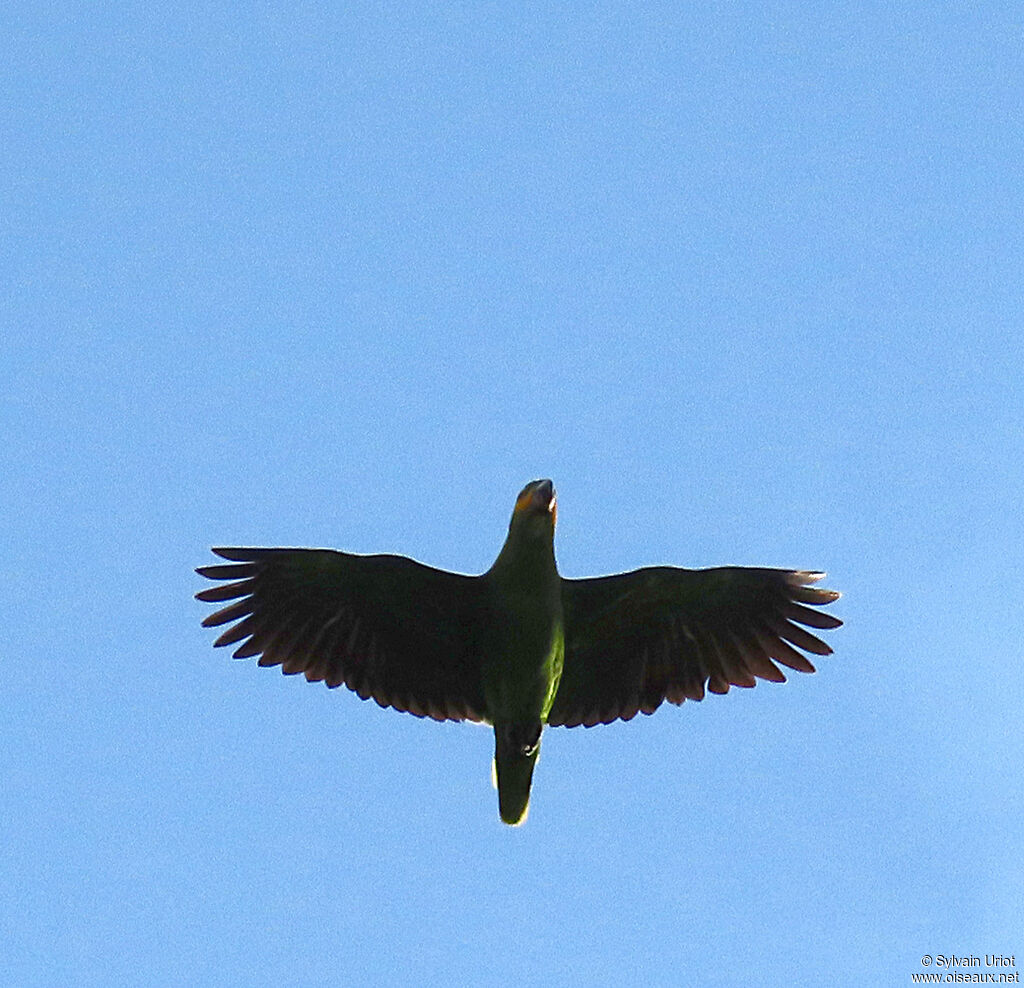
x=519, y=647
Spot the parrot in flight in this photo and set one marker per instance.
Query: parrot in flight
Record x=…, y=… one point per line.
x=519, y=647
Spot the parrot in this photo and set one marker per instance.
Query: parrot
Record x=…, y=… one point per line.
x=519, y=648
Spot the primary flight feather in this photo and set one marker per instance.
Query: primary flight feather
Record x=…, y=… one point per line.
x=518, y=647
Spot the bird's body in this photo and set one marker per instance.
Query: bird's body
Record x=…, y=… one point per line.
x=522, y=646
x=518, y=647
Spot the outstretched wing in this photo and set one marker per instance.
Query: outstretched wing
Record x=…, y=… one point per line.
x=386, y=627
x=636, y=639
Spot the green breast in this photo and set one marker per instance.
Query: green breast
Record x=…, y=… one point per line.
x=522, y=649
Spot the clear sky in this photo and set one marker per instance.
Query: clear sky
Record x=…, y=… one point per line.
x=744, y=279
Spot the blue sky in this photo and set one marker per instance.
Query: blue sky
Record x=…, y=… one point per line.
x=743, y=279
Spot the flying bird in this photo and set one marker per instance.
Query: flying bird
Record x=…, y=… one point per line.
x=519, y=647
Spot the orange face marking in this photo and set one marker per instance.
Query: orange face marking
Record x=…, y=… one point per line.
x=524, y=500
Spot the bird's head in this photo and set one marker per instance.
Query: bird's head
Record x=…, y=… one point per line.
x=536, y=507
x=528, y=554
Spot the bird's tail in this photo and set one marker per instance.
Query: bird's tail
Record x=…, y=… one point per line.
x=515, y=755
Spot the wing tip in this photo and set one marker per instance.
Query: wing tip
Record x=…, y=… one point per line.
x=236, y=554
x=804, y=576
x=801, y=581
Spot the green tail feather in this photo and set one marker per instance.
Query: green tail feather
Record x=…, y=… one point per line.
x=514, y=772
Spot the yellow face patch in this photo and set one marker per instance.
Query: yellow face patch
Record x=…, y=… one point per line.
x=524, y=500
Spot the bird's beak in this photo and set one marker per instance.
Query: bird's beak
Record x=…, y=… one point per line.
x=544, y=496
